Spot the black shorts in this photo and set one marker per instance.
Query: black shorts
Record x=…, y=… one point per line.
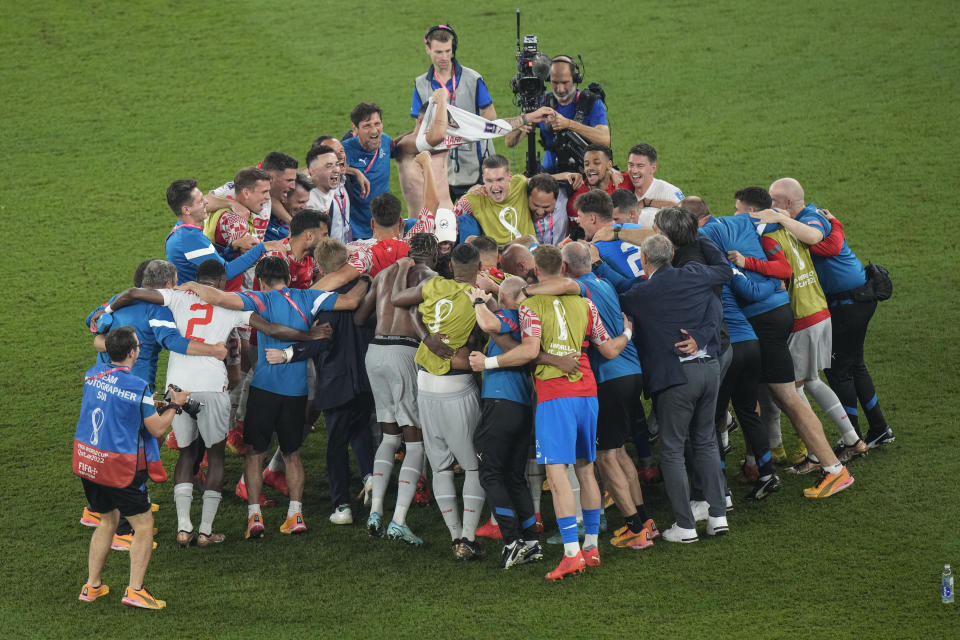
x=130, y=501
x=269, y=413
x=618, y=400
x=773, y=328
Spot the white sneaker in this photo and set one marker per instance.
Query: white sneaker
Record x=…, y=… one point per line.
x=701, y=510
x=343, y=515
x=729, y=501
x=679, y=534
x=717, y=526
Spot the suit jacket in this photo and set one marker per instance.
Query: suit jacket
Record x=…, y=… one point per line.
x=673, y=299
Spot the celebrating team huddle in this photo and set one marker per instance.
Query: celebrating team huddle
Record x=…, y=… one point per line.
x=506, y=332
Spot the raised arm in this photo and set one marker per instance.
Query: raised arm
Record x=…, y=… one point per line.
x=351, y=300
x=833, y=243
x=283, y=332
x=333, y=281
x=553, y=287
x=128, y=297
x=214, y=296
x=805, y=233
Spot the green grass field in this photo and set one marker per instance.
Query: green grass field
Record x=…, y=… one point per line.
x=105, y=103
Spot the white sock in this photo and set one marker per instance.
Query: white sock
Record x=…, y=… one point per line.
x=211, y=502
x=276, y=462
x=294, y=508
x=473, y=498
x=830, y=403
x=724, y=439
x=750, y=460
x=244, y=392
x=535, y=474
x=383, y=469
x=182, y=497
x=407, y=480
x=571, y=549
x=445, y=493
x=253, y=509
x=590, y=540
x=575, y=485
x=834, y=468
x=493, y=518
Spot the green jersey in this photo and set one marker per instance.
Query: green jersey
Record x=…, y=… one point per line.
x=807, y=301
x=563, y=327
x=507, y=220
x=448, y=309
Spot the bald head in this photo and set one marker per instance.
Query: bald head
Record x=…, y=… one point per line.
x=696, y=206
x=510, y=291
x=576, y=257
x=516, y=259
x=787, y=195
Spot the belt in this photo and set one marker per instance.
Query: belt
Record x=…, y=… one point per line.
x=403, y=341
x=702, y=360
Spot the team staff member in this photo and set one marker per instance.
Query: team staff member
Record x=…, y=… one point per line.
x=467, y=90
x=115, y=449
x=368, y=151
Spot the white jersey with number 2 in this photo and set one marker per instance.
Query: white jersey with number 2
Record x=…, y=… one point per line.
x=203, y=322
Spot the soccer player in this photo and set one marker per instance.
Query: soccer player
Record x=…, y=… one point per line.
x=652, y=193
x=281, y=171
x=392, y=372
x=328, y=193
x=566, y=417
x=115, y=449
x=278, y=393
x=598, y=173
x=447, y=396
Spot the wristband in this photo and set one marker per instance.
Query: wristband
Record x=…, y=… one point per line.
x=596, y=265
x=628, y=332
x=287, y=354
x=523, y=290
x=491, y=362
x=477, y=301
x=108, y=309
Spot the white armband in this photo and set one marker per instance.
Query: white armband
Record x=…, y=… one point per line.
x=629, y=333
x=491, y=362
x=288, y=354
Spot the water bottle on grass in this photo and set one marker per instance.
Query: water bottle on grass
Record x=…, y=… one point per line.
x=946, y=585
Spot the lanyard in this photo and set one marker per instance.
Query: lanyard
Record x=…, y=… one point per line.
x=376, y=154
x=453, y=81
x=540, y=227
x=294, y=305
x=108, y=372
x=183, y=226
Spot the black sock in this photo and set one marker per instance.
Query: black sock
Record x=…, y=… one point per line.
x=642, y=513
x=634, y=523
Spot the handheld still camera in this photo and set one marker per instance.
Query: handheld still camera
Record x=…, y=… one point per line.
x=191, y=407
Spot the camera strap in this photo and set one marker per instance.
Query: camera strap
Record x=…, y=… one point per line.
x=294, y=305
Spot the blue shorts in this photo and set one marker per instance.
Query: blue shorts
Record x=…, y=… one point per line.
x=567, y=430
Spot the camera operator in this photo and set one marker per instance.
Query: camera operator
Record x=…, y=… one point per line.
x=577, y=112
x=115, y=450
x=467, y=90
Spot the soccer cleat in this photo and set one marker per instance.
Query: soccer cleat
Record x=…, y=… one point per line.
x=846, y=453
x=804, y=467
x=343, y=515
x=829, y=484
x=154, y=507
x=626, y=539
x=375, y=525
x=678, y=534
x=799, y=453
x=367, y=492
x=607, y=500
x=277, y=480
x=235, y=443
x=732, y=425
x=489, y=530
x=171, y=441
x=204, y=540
x=255, y=527
x=186, y=539
x=142, y=598
x=401, y=533
x=122, y=543
x=650, y=475
x=89, y=594
x=779, y=454
x=531, y=552
x=241, y=492
x=763, y=488
x=700, y=509
x=539, y=523
x=591, y=557
x=879, y=437
x=89, y=518
x=748, y=473
x=468, y=550
x=651, y=528
x=423, y=495
x=455, y=548
x=569, y=566
x=510, y=555
x=717, y=526
x=295, y=524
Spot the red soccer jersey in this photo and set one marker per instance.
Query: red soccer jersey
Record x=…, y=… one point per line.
x=301, y=271
x=571, y=209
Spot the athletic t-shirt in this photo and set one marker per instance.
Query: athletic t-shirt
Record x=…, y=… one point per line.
x=294, y=308
x=571, y=204
x=507, y=383
x=202, y=322
x=301, y=271
x=371, y=256
x=375, y=165
x=603, y=296
x=448, y=310
x=336, y=204
x=838, y=273
x=258, y=221
x=187, y=248
x=658, y=190
x=502, y=221
x=623, y=256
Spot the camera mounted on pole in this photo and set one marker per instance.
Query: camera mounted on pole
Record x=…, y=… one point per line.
x=533, y=70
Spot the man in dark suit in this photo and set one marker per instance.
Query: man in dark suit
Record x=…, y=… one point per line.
x=671, y=302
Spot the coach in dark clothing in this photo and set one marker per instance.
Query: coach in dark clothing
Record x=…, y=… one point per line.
x=683, y=387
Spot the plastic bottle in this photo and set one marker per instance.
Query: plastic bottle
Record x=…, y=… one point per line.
x=946, y=585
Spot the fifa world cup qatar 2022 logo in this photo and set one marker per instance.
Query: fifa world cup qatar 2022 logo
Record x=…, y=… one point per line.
x=441, y=311
x=96, y=418
x=510, y=221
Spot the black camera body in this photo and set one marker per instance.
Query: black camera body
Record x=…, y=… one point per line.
x=533, y=70
x=191, y=407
